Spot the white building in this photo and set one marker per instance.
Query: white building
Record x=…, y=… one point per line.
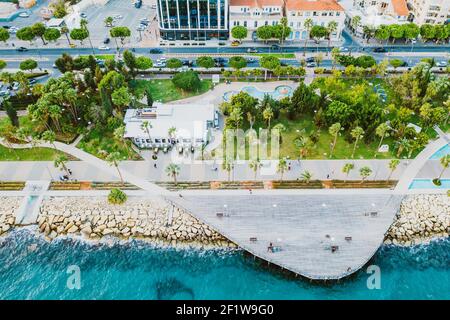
x=430, y=11
x=321, y=12
x=253, y=14
x=193, y=124
x=396, y=9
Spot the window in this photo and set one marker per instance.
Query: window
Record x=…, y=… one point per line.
x=266, y=23
x=256, y=24
x=315, y=13
x=338, y=14
x=245, y=24
x=324, y=14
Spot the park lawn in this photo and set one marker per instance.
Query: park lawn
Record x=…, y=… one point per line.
x=164, y=90
x=33, y=154
x=99, y=140
x=321, y=150
x=277, y=55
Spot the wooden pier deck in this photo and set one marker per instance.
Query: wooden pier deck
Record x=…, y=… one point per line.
x=303, y=227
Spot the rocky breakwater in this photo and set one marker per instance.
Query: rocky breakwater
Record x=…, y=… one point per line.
x=139, y=218
x=8, y=208
x=420, y=219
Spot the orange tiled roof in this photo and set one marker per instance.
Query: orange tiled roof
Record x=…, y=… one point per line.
x=256, y=3
x=311, y=5
x=400, y=7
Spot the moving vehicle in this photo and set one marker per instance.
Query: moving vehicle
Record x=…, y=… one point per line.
x=21, y=49
x=83, y=15
x=24, y=15
x=107, y=40
x=252, y=50
x=343, y=49
x=379, y=49
x=310, y=59
x=235, y=43
x=138, y=4
x=117, y=16
x=104, y=48
x=311, y=65
x=441, y=64
x=32, y=81
x=155, y=51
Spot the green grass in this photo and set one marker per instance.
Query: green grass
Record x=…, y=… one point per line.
x=165, y=91
x=98, y=140
x=102, y=56
x=277, y=55
x=34, y=154
x=321, y=150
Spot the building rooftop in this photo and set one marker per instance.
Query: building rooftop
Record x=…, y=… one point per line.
x=256, y=3
x=189, y=120
x=313, y=5
x=400, y=7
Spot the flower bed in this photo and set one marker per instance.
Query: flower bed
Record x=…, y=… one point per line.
x=12, y=185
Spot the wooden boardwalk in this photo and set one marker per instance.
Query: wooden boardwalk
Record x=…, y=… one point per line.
x=303, y=227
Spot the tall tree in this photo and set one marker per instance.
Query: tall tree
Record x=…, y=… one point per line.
x=308, y=24
x=114, y=159
x=346, y=169
x=357, y=134
x=365, y=172
x=392, y=166
x=334, y=131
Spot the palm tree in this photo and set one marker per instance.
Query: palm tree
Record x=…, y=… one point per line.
x=114, y=159
x=146, y=126
x=308, y=24
x=355, y=22
x=334, y=131
x=306, y=176
x=392, y=166
x=382, y=131
x=268, y=115
x=331, y=27
x=279, y=128
x=281, y=167
x=228, y=166
x=173, y=170
x=83, y=25
x=357, y=134
x=50, y=137
x=255, y=165
x=445, y=162
x=60, y=162
x=65, y=31
x=119, y=134
x=172, y=132
x=346, y=169
x=364, y=172
x=402, y=145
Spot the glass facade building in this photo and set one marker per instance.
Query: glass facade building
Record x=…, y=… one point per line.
x=196, y=20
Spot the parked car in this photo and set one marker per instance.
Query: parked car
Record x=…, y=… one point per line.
x=379, y=49
x=107, y=40
x=117, y=16
x=153, y=6
x=310, y=59
x=252, y=50
x=275, y=47
x=24, y=15
x=6, y=27
x=155, y=51
x=22, y=49
x=311, y=65
x=140, y=27
x=104, y=48
x=343, y=49
x=83, y=15
x=235, y=43
x=15, y=86
x=32, y=81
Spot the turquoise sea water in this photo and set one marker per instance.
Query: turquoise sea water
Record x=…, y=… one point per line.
x=31, y=268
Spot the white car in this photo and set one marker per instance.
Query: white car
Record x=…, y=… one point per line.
x=104, y=48
x=343, y=49
x=441, y=64
x=24, y=14
x=15, y=86
x=83, y=15
x=117, y=16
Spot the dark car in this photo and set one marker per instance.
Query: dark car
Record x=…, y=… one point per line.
x=379, y=49
x=275, y=47
x=155, y=51
x=22, y=49
x=310, y=59
x=107, y=40
x=188, y=63
x=6, y=27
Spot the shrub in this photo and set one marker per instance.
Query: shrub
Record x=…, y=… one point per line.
x=188, y=80
x=117, y=196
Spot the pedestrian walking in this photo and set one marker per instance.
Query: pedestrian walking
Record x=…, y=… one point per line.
x=154, y=165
